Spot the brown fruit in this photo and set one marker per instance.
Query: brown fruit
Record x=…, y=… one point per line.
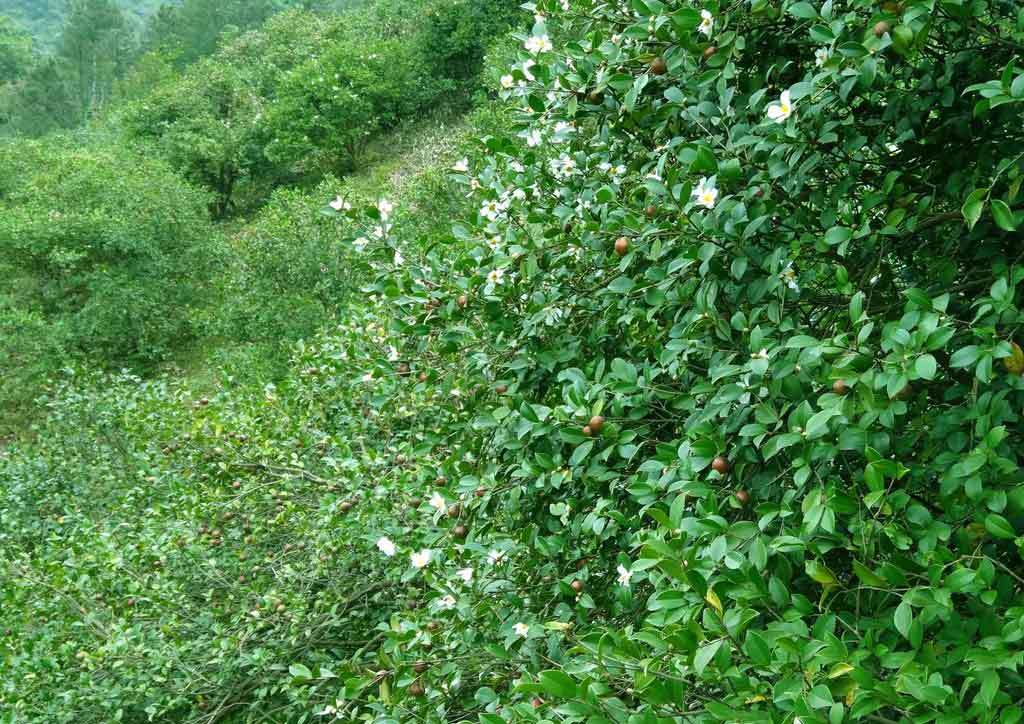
x=720, y=465
x=577, y=585
x=596, y=423
x=480, y=492
x=463, y=300
x=433, y=626
x=420, y=666
x=709, y=51
x=742, y=497
x=881, y=28
x=423, y=376
x=440, y=480
x=622, y=246
x=236, y=485
x=839, y=387
x=416, y=689
x=587, y=431
x=415, y=502
x=651, y=211
x=455, y=511
x=204, y=402
x=659, y=66
x=1015, y=362
x=346, y=506
x=460, y=531
x=596, y=98
x=501, y=389
x=537, y=702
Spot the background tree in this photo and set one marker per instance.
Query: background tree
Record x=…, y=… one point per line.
x=95, y=45
x=15, y=50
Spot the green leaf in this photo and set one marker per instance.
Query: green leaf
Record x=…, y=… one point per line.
x=558, y=683
x=580, y=453
x=1003, y=215
x=903, y=618
x=803, y=10
x=925, y=367
x=999, y=526
x=705, y=654
x=300, y=672
x=965, y=357
x=973, y=207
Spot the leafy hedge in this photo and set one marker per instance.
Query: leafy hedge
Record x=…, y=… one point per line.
x=704, y=410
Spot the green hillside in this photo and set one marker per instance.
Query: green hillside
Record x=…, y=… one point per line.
x=446, y=362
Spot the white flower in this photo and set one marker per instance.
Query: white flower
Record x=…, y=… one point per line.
x=707, y=22
x=496, y=276
x=385, y=208
x=461, y=166
x=781, y=110
x=446, y=603
x=493, y=208
x=495, y=557
x=706, y=194
x=392, y=353
x=533, y=138
x=360, y=243
x=788, y=275
x=521, y=629
x=494, y=243
x=517, y=167
x=399, y=259
x=624, y=575
x=565, y=5
x=378, y=232
x=616, y=38
x=527, y=64
x=538, y=44
x=368, y=377
x=340, y=204
x=437, y=501
x=385, y=546
x=563, y=128
x=763, y=354
x=507, y=82
x=466, y=574
x=821, y=56
x=421, y=559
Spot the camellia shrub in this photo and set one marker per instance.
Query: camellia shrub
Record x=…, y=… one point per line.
x=736, y=311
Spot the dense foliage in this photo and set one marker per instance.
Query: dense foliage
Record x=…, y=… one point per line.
x=689, y=394
x=104, y=253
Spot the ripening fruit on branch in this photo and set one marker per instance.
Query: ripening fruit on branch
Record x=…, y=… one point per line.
x=462, y=301
x=460, y=531
x=1015, y=362
x=881, y=28
x=501, y=389
x=651, y=211
x=420, y=666
x=587, y=430
x=455, y=511
x=720, y=465
x=709, y=51
x=346, y=506
x=659, y=66
x=596, y=423
x=839, y=387
x=622, y=246
x=577, y=586
x=416, y=689
x=595, y=97
x=742, y=497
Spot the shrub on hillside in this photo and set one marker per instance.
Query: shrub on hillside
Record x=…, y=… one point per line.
x=110, y=247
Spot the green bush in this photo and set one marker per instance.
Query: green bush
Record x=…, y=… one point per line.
x=110, y=246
